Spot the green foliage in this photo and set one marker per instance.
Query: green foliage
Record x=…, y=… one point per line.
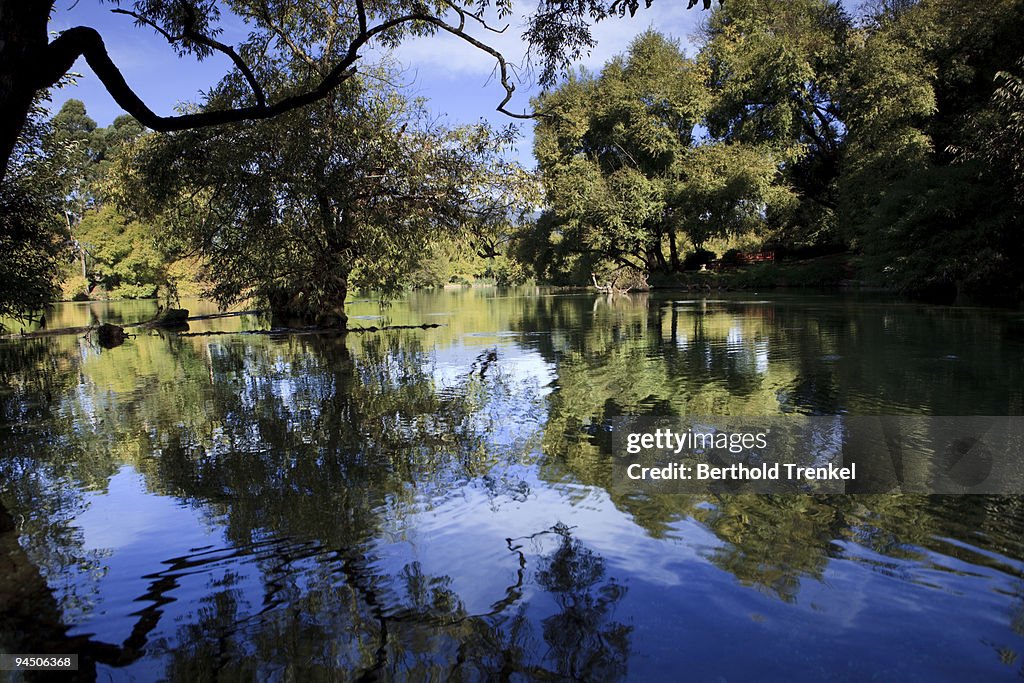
x=624, y=175
x=92, y=151
x=295, y=211
x=117, y=255
x=606, y=149
x=33, y=227
x=76, y=129
x=966, y=50
x=998, y=135
x=75, y=288
x=820, y=131
x=775, y=68
x=729, y=189
x=825, y=272
x=919, y=242
x=889, y=97
x=455, y=260
x=123, y=255
x=921, y=95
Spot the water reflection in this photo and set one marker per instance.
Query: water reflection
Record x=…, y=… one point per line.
x=436, y=504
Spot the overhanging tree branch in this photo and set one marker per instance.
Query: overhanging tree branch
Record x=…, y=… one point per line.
x=191, y=34
x=30, y=63
x=88, y=43
x=502, y=64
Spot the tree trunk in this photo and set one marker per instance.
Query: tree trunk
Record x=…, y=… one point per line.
x=334, y=315
x=291, y=307
x=673, y=251
x=23, y=40
x=655, y=259
x=14, y=108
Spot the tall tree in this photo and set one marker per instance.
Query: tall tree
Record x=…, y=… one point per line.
x=775, y=67
x=297, y=210
x=609, y=149
x=927, y=187
x=119, y=254
x=627, y=179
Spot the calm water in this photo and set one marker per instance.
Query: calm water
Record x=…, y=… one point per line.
x=436, y=504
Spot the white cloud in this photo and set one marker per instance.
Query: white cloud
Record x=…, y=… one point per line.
x=448, y=57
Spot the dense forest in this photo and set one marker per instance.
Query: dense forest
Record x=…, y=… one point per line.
x=892, y=139
x=799, y=144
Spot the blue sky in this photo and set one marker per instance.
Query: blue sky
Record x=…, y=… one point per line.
x=455, y=77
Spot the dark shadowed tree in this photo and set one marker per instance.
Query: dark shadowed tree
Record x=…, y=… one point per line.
x=34, y=238
x=930, y=179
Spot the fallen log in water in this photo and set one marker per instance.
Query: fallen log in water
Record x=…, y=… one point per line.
x=49, y=333
x=109, y=335
x=285, y=331
x=172, y=317
x=146, y=324
x=159, y=323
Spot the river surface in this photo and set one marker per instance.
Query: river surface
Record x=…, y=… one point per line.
x=436, y=504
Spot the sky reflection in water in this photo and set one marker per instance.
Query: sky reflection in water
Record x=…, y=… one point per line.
x=429, y=503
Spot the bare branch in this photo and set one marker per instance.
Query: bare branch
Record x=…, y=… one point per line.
x=479, y=19
x=153, y=25
x=202, y=39
x=502, y=64
x=361, y=9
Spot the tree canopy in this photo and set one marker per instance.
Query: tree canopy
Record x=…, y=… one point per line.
x=626, y=172
x=348, y=192
x=331, y=36
x=893, y=138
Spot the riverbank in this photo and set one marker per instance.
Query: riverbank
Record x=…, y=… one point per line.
x=823, y=272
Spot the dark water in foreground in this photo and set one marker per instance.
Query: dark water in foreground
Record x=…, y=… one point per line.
x=434, y=505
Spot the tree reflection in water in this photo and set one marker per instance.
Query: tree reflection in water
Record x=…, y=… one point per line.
x=304, y=453
x=315, y=459
x=584, y=641
x=337, y=620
